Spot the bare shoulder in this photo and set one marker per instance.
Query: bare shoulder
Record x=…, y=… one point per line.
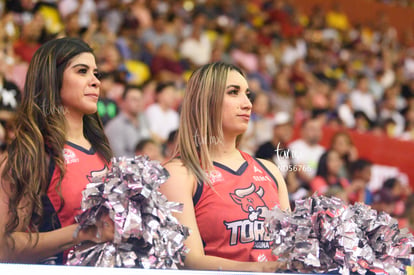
x=283, y=193
x=176, y=168
x=173, y=162
x=180, y=179
x=270, y=166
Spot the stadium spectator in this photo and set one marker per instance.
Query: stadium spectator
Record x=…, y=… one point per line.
x=197, y=47
x=162, y=117
x=391, y=197
x=29, y=41
x=107, y=108
x=342, y=143
x=337, y=19
x=277, y=151
x=149, y=148
x=360, y=176
x=328, y=174
x=157, y=35
x=130, y=125
x=389, y=111
x=307, y=151
x=362, y=99
x=165, y=65
x=259, y=127
x=408, y=133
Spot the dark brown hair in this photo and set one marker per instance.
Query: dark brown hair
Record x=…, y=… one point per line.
x=40, y=132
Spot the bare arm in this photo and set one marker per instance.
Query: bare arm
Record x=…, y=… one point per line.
x=31, y=248
x=282, y=189
x=180, y=188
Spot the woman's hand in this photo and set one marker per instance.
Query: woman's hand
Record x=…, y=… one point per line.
x=274, y=266
x=103, y=231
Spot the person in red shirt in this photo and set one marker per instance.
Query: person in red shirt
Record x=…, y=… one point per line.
x=28, y=43
x=226, y=192
x=59, y=145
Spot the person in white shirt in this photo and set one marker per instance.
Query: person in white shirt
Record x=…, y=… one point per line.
x=346, y=113
x=162, y=118
x=306, y=151
x=389, y=111
x=197, y=47
x=292, y=50
x=86, y=10
x=260, y=124
x=363, y=100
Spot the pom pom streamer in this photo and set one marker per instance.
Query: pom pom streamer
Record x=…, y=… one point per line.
x=325, y=235
x=146, y=234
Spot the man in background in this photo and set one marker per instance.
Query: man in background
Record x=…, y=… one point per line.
x=130, y=126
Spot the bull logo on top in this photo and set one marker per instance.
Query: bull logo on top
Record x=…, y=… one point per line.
x=251, y=228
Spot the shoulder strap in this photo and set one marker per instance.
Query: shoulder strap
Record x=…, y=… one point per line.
x=198, y=192
x=50, y=219
x=267, y=171
x=50, y=170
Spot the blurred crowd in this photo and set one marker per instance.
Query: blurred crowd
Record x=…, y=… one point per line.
x=306, y=71
x=403, y=3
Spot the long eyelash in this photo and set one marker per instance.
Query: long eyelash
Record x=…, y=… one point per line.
x=250, y=95
x=233, y=91
x=98, y=75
